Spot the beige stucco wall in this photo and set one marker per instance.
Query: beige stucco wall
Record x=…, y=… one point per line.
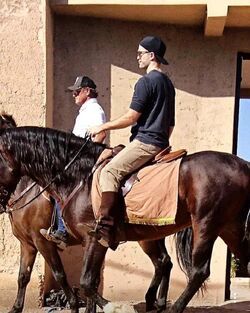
x=202, y=69
x=22, y=93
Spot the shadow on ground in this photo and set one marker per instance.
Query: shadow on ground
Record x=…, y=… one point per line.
x=238, y=307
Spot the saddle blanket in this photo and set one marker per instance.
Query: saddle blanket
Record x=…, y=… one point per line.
x=153, y=197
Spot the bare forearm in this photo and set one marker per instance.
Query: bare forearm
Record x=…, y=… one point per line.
x=125, y=120
x=121, y=122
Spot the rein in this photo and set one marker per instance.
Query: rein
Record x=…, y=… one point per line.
x=23, y=193
x=47, y=186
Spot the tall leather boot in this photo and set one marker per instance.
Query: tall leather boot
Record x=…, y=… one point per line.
x=104, y=230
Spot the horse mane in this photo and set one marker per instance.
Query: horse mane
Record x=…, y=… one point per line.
x=44, y=152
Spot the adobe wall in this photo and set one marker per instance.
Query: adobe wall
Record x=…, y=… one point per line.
x=202, y=69
x=22, y=85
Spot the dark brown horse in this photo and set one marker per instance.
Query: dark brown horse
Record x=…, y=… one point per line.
x=26, y=224
x=214, y=198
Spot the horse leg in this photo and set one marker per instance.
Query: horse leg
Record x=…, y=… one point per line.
x=237, y=246
x=90, y=306
x=27, y=259
x=157, y=252
x=50, y=254
x=166, y=270
x=91, y=272
x=91, y=302
x=201, y=258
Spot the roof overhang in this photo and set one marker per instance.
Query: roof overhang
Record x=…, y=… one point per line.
x=214, y=15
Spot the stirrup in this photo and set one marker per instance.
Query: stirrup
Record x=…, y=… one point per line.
x=61, y=245
x=96, y=234
x=47, y=235
x=94, y=231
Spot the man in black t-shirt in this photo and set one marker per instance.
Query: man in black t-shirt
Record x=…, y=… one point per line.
x=152, y=114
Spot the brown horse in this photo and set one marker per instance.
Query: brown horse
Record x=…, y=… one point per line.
x=214, y=198
x=26, y=224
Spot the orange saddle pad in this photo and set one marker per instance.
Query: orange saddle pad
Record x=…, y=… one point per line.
x=153, y=197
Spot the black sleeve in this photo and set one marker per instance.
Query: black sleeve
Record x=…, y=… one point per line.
x=140, y=96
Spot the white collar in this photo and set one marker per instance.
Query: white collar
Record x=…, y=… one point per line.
x=87, y=104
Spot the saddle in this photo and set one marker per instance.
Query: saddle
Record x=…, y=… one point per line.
x=164, y=156
x=141, y=206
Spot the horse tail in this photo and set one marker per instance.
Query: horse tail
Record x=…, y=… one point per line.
x=184, y=247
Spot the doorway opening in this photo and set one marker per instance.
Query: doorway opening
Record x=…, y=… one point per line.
x=241, y=148
x=241, y=140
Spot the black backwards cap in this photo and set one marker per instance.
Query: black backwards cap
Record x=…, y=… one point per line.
x=81, y=82
x=156, y=45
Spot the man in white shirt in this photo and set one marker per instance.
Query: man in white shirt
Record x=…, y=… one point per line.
x=90, y=114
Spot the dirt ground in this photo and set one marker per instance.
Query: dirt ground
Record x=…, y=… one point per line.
x=229, y=307
x=240, y=288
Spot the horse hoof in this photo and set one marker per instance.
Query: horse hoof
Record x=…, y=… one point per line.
x=162, y=306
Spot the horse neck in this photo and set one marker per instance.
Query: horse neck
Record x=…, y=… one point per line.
x=45, y=153
x=66, y=180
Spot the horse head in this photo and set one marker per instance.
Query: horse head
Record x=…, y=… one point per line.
x=7, y=177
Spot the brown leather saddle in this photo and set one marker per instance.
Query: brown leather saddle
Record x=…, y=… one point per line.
x=163, y=156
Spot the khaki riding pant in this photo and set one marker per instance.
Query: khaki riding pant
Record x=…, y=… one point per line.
x=133, y=156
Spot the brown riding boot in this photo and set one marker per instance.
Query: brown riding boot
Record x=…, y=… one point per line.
x=104, y=230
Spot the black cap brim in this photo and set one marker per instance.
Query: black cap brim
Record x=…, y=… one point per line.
x=72, y=88
x=162, y=60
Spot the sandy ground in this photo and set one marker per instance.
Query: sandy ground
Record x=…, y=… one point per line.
x=240, y=289
x=229, y=307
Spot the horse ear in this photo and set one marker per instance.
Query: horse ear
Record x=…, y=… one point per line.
x=12, y=121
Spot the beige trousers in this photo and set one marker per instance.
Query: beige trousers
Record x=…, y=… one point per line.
x=133, y=156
